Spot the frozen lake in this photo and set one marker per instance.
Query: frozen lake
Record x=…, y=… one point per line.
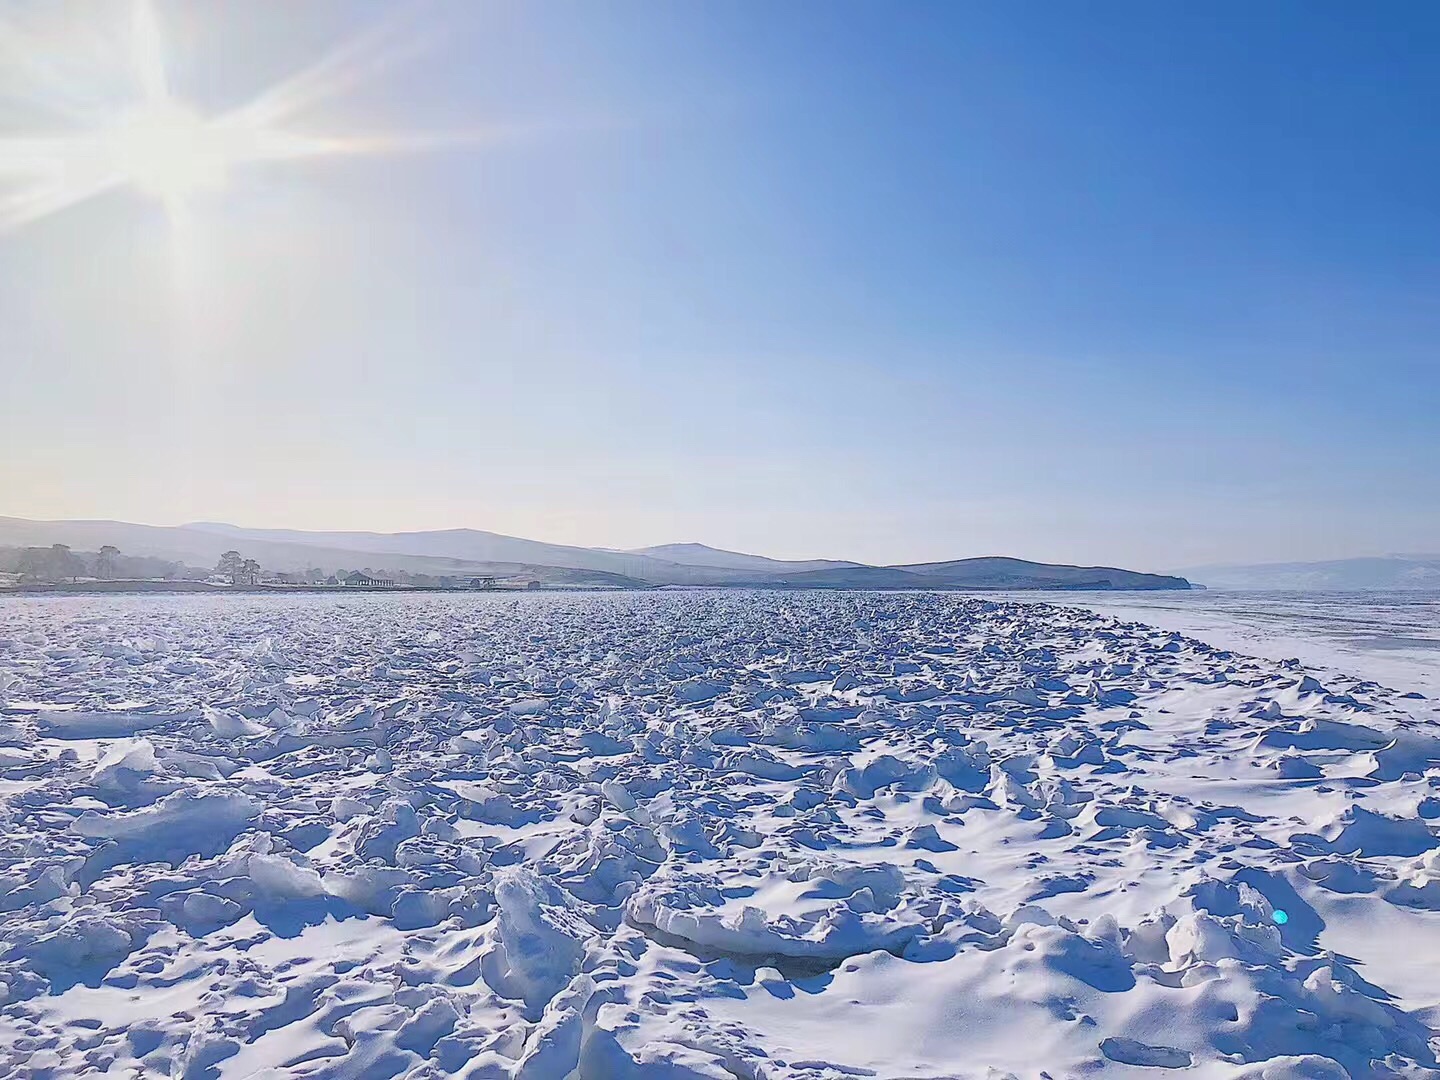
x=710, y=836
x=1391, y=637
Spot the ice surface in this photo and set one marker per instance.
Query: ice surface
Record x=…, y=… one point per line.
x=770, y=836
x=1391, y=637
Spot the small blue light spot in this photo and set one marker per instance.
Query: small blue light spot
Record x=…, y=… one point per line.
x=1280, y=917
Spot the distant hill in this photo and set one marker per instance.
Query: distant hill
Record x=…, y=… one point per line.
x=473, y=546
x=703, y=555
x=1335, y=575
x=473, y=552
x=990, y=572
x=997, y=572
x=202, y=548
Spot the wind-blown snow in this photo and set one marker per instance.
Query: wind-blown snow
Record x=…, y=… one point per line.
x=783, y=836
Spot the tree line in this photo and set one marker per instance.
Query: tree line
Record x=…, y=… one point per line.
x=58, y=563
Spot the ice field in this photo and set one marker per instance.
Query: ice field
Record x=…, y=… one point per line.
x=788, y=836
x=1390, y=637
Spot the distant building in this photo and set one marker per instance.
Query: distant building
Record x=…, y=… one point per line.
x=484, y=582
x=360, y=579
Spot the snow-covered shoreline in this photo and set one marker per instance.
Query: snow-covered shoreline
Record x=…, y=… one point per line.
x=789, y=836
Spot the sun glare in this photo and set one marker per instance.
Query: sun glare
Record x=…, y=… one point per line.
x=169, y=151
x=159, y=145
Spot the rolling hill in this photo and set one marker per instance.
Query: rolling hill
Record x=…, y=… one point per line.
x=703, y=555
x=996, y=572
x=461, y=552
x=989, y=572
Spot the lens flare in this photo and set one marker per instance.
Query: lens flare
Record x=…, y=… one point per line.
x=168, y=151
x=161, y=146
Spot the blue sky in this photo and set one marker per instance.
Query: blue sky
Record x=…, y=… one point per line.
x=1152, y=284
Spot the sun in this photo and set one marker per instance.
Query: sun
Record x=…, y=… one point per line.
x=169, y=151
x=163, y=147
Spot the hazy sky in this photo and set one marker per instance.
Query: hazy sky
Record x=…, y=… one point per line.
x=1138, y=283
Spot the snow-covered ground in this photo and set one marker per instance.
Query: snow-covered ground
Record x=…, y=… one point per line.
x=700, y=835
